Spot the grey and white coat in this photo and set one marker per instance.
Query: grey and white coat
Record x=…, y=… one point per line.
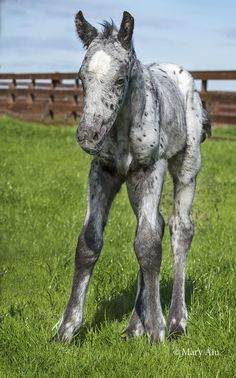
x=138, y=119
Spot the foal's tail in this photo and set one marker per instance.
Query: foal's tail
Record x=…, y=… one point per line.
x=206, y=125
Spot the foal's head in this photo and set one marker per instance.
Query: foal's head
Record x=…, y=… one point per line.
x=104, y=74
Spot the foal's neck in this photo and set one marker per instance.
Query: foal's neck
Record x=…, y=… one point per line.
x=138, y=124
x=135, y=99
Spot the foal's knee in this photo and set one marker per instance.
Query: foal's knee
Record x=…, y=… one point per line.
x=148, y=247
x=90, y=244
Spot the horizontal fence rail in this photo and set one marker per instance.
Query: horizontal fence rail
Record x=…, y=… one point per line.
x=54, y=97
x=58, y=97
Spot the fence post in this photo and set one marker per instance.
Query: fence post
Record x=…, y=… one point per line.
x=76, y=83
x=204, y=86
x=11, y=96
x=11, y=99
x=12, y=84
x=32, y=84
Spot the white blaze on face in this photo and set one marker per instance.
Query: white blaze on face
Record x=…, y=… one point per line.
x=100, y=63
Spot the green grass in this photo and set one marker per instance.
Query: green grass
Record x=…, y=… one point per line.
x=225, y=132
x=43, y=200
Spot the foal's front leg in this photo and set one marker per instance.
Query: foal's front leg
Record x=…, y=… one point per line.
x=103, y=187
x=144, y=188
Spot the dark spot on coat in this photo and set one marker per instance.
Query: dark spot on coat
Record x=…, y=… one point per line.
x=140, y=140
x=144, y=135
x=151, y=185
x=111, y=106
x=146, y=114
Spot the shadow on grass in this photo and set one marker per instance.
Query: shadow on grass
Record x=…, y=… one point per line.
x=121, y=306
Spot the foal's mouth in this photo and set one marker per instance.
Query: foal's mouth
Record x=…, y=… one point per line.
x=95, y=146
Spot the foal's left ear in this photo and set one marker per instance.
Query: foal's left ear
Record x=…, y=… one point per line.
x=85, y=31
x=126, y=30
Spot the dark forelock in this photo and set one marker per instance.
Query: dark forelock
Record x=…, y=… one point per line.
x=108, y=29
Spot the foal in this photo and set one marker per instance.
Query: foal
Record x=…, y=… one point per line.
x=136, y=119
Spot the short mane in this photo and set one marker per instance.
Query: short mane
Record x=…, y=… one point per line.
x=108, y=28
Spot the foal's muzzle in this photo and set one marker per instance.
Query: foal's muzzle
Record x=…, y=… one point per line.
x=90, y=138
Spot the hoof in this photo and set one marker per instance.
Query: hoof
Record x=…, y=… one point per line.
x=156, y=337
x=177, y=329
x=135, y=327
x=65, y=332
x=54, y=338
x=61, y=338
x=133, y=332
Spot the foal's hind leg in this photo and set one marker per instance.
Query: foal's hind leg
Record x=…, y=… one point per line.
x=103, y=187
x=181, y=229
x=144, y=189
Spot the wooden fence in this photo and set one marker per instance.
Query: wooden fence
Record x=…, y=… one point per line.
x=48, y=97
x=58, y=97
x=220, y=104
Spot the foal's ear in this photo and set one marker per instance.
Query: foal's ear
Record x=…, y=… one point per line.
x=126, y=30
x=85, y=31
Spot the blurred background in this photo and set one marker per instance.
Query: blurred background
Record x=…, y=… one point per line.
x=40, y=36
x=40, y=53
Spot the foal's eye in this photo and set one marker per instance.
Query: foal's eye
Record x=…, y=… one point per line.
x=120, y=81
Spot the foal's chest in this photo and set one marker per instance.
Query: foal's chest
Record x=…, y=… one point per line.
x=123, y=161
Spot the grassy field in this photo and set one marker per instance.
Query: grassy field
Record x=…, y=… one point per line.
x=43, y=199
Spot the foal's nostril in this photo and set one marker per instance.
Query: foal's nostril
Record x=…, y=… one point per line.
x=95, y=137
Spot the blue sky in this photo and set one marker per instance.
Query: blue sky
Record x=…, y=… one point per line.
x=39, y=35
